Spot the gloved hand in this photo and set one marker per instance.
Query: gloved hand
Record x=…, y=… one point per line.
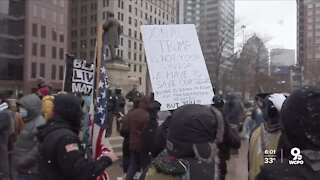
x=106, y=152
x=277, y=99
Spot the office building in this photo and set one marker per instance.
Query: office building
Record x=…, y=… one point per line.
x=308, y=40
x=32, y=44
x=214, y=21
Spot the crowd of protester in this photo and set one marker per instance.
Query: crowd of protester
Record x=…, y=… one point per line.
x=39, y=136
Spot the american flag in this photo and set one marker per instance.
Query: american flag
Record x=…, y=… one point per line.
x=99, y=142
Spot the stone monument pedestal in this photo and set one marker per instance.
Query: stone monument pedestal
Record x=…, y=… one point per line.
x=118, y=75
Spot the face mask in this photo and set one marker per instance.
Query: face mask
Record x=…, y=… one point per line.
x=23, y=113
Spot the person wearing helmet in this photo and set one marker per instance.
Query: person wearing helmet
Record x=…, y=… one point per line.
x=267, y=135
x=300, y=119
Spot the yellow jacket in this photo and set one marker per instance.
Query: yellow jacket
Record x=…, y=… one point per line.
x=47, y=107
x=256, y=151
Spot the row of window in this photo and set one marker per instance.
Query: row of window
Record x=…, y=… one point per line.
x=135, y=67
x=83, y=20
x=83, y=32
x=43, y=32
x=42, y=13
x=162, y=4
x=42, y=71
x=135, y=45
x=43, y=51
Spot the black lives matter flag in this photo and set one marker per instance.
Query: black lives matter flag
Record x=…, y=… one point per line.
x=79, y=76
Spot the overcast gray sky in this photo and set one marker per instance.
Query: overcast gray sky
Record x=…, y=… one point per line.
x=270, y=19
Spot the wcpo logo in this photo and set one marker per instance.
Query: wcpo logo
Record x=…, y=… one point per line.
x=297, y=157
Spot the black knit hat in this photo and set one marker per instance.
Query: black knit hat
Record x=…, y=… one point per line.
x=301, y=118
x=68, y=107
x=191, y=125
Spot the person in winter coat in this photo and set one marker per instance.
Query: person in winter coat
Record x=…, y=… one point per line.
x=231, y=139
x=62, y=156
x=113, y=110
x=193, y=135
x=137, y=120
x=124, y=132
x=5, y=126
x=25, y=154
x=121, y=103
x=233, y=110
x=267, y=135
x=300, y=121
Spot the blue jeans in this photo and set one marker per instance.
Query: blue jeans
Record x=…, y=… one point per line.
x=28, y=177
x=135, y=165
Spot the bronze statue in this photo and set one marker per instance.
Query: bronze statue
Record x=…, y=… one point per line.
x=112, y=31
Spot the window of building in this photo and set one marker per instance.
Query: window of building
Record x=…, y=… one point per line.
x=54, y=16
x=140, y=68
x=121, y=41
x=140, y=57
x=140, y=80
x=61, y=53
x=54, y=52
x=61, y=38
x=135, y=45
x=134, y=56
x=34, y=49
x=145, y=16
x=150, y=8
x=34, y=10
x=119, y=3
x=129, y=55
x=54, y=35
x=146, y=4
x=83, y=43
x=130, y=9
x=136, y=23
x=42, y=70
x=43, y=13
x=33, y=70
x=140, y=36
x=61, y=72
x=129, y=43
x=121, y=16
x=129, y=20
x=135, y=68
x=141, y=14
x=53, y=72
x=155, y=11
x=91, y=54
x=43, y=50
x=136, y=11
x=34, y=30
x=129, y=32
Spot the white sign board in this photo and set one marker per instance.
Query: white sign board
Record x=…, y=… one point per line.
x=82, y=77
x=176, y=65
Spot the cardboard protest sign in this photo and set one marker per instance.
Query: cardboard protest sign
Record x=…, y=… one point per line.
x=176, y=65
x=82, y=77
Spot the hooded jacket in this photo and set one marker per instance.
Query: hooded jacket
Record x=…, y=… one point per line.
x=25, y=154
x=192, y=141
x=62, y=156
x=137, y=119
x=4, y=139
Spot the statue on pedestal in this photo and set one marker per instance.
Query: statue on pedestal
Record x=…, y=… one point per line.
x=112, y=31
